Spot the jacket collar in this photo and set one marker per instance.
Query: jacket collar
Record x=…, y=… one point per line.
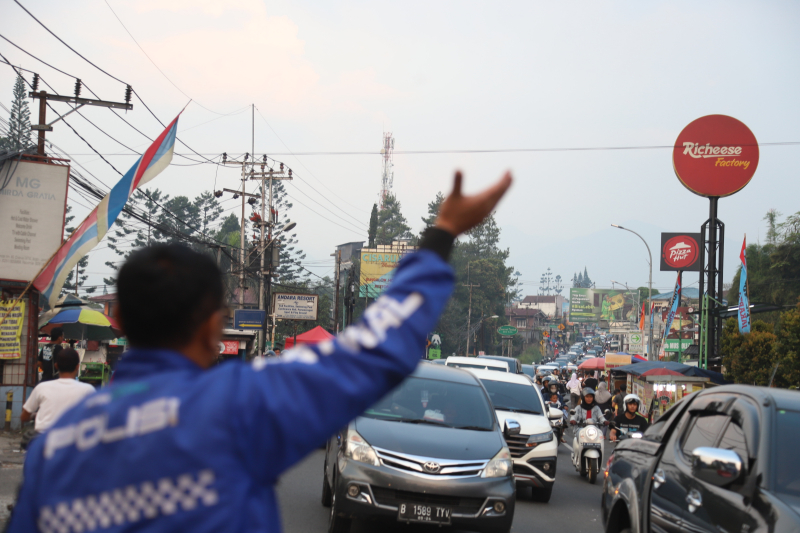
x=143, y=362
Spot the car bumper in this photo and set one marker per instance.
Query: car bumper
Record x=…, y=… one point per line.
x=537, y=468
x=381, y=490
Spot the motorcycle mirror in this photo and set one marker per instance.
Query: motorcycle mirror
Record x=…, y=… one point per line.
x=608, y=413
x=572, y=411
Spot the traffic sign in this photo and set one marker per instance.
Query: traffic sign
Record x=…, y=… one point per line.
x=561, y=327
x=636, y=338
x=507, y=331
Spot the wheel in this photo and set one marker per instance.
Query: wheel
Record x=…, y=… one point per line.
x=584, y=469
x=336, y=523
x=326, y=489
x=542, y=495
x=593, y=470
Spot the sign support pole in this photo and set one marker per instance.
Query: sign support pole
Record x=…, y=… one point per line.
x=713, y=231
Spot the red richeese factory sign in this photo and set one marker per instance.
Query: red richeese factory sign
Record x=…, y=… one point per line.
x=715, y=155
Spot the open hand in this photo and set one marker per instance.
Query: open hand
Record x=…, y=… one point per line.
x=461, y=213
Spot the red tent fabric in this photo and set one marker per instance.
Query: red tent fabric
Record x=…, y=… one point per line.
x=595, y=363
x=312, y=336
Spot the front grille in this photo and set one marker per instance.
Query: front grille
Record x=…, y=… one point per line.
x=416, y=465
x=394, y=498
x=517, y=445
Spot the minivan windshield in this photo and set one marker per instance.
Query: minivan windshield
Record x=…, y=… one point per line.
x=787, y=466
x=513, y=397
x=435, y=402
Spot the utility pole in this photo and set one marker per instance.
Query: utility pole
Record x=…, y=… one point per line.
x=42, y=127
x=469, y=311
x=338, y=255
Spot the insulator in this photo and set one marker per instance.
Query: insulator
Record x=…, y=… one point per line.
x=35, y=84
x=128, y=91
x=218, y=194
x=235, y=196
x=264, y=159
x=246, y=155
x=290, y=172
x=281, y=167
x=224, y=156
x=77, y=88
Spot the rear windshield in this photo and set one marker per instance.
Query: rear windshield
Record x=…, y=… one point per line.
x=479, y=366
x=513, y=397
x=786, y=461
x=435, y=402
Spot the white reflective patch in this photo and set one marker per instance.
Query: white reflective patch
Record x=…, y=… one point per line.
x=326, y=347
x=301, y=354
x=98, y=399
x=259, y=363
x=89, y=432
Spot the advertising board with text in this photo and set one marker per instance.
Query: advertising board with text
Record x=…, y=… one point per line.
x=288, y=306
x=377, y=268
x=594, y=305
x=32, y=207
x=681, y=251
x=11, y=329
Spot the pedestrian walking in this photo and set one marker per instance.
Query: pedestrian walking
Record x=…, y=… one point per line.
x=574, y=388
x=177, y=444
x=49, y=351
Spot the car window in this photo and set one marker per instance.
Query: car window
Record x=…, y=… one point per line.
x=733, y=439
x=704, y=432
x=482, y=367
x=420, y=400
x=513, y=396
x=785, y=462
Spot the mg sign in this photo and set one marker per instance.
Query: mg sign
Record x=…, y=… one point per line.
x=680, y=251
x=715, y=156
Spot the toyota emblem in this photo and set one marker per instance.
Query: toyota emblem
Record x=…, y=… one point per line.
x=431, y=467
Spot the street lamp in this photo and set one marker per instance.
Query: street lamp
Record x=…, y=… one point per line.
x=649, y=291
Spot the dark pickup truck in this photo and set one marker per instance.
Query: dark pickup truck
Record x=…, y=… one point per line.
x=724, y=460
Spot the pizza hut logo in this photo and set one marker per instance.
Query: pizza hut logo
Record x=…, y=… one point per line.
x=680, y=252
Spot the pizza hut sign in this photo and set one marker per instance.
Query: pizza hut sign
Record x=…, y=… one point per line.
x=680, y=251
x=715, y=156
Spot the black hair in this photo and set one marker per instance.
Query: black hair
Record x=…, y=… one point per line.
x=165, y=292
x=67, y=360
x=55, y=333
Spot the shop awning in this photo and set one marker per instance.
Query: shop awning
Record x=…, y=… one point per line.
x=691, y=371
x=312, y=336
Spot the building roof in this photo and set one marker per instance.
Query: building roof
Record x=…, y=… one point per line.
x=104, y=298
x=524, y=311
x=539, y=300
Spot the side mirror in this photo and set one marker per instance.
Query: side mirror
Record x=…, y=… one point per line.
x=608, y=414
x=512, y=428
x=716, y=466
x=572, y=411
x=554, y=414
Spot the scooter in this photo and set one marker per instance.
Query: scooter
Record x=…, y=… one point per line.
x=556, y=417
x=587, y=449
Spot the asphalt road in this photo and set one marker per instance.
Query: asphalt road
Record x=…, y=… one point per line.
x=574, y=505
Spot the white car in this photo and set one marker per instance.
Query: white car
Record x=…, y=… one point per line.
x=471, y=363
x=548, y=368
x=535, y=449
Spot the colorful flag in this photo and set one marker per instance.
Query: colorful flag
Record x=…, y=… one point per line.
x=92, y=230
x=744, y=297
x=673, y=309
x=641, y=319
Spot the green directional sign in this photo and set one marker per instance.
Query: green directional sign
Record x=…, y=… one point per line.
x=636, y=338
x=507, y=331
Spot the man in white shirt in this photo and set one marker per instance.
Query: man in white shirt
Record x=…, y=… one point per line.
x=50, y=399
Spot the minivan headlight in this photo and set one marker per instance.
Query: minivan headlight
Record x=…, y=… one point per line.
x=535, y=440
x=500, y=465
x=357, y=449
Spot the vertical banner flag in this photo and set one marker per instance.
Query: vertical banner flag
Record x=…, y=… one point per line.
x=641, y=319
x=92, y=230
x=673, y=308
x=744, y=296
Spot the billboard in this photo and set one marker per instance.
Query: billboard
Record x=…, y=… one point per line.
x=681, y=251
x=32, y=203
x=248, y=319
x=378, y=266
x=593, y=305
x=289, y=306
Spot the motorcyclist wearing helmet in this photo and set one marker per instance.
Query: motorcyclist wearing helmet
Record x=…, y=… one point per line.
x=588, y=410
x=629, y=421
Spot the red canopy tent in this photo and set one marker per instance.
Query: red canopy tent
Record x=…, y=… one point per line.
x=595, y=363
x=312, y=336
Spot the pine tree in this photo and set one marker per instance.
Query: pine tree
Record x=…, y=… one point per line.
x=373, y=225
x=291, y=255
x=392, y=225
x=19, y=123
x=433, y=210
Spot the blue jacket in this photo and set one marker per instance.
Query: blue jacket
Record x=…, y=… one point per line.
x=172, y=447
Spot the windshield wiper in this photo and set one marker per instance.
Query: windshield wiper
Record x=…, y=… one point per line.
x=527, y=411
x=475, y=428
x=420, y=421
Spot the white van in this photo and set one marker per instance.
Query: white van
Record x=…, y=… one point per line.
x=476, y=363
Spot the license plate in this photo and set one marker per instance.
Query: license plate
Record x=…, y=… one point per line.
x=591, y=445
x=421, y=512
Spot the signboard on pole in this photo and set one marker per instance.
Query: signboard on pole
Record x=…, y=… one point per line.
x=378, y=266
x=248, y=319
x=636, y=343
x=613, y=360
x=32, y=207
x=507, y=331
x=680, y=251
x=593, y=305
x=288, y=306
x=715, y=156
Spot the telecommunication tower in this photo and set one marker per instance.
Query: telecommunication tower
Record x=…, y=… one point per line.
x=387, y=153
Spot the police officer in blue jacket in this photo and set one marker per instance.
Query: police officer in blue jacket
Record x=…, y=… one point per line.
x=176, y=444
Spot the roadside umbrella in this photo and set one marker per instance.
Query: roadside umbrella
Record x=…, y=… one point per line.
x=80, y=323
x=595, y=363
x=661, y=372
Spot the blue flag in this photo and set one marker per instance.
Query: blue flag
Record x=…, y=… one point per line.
x=744, y=298
x=673, y=309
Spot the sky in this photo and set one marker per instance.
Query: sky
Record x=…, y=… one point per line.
x=441, y=76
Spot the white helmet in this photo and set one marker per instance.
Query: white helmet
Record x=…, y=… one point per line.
x=631, y=398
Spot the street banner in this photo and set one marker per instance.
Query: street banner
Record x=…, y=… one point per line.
x=673, y=308
x=11, y=329
x=744, y=297
x=593, y=305
x=92, y=230
x=378, y=266
x=641, y=319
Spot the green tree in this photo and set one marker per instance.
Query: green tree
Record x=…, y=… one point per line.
x=750, y=358
x=433, y=210
x=772, y=226
x=392, y=225
x=373, y=225
x=787, y=347
x=19, y=122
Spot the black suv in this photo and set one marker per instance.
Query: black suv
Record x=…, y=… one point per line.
x=724, y=459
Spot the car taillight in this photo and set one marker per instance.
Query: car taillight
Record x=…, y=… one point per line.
x=608, y=465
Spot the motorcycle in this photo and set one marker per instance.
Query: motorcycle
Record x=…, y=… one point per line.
x=587, y=448
x=556, y=417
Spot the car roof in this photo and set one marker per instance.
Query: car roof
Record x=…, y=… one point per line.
x=783, y=398
x=506, y=377
x=444, y=373
x=512, y=360
x=474, y=360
